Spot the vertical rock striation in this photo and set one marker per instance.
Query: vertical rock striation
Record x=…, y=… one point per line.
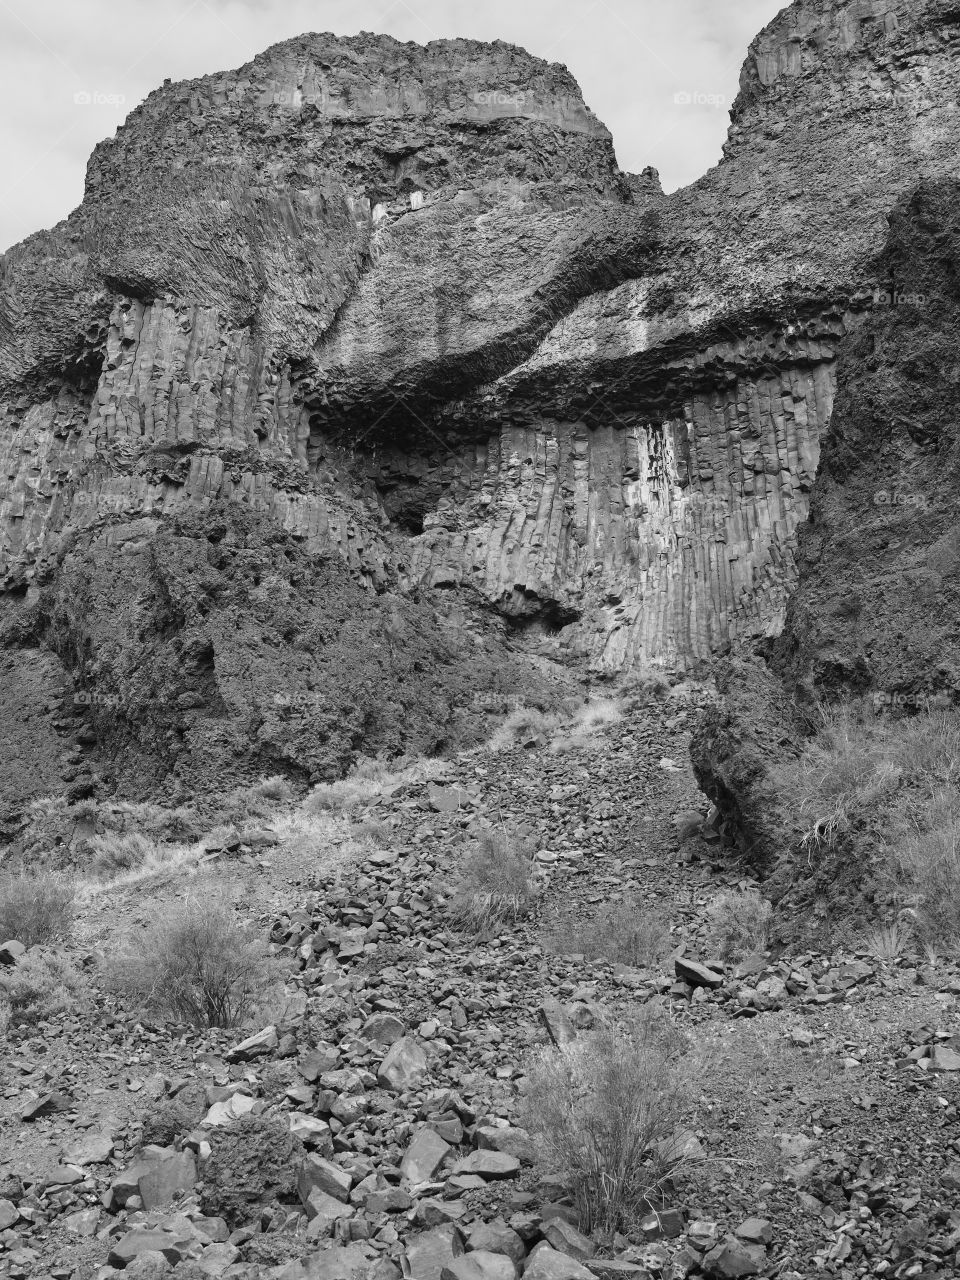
x=397, y=306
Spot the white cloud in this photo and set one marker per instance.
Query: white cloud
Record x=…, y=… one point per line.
x=69, y=73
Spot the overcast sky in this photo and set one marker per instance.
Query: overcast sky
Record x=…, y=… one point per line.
x=631, y=58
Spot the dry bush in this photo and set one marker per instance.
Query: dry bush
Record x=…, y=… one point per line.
x=584, y=723
x=35, y=908
x=927, y=871
x=41, y=985
x=846, y=769
x=197, y=965
x=625, y=932
x=370, y=778
x=599, y=1107
x=645, y=688
x=739, y=924
x=276, y=789
x=494, y=885
x=523, y=726
x=113, y=853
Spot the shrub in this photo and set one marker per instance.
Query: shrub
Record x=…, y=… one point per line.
x=114, y=853
x=494, y=885
x=35, y=908
x=645, y=689
x=625, y=932
x=198, y=966
x=739, y=923
x=890, y=941
x=523, y=726
x=599, y=1107
x=41, y=985
x=370, y=778
x=927, y=867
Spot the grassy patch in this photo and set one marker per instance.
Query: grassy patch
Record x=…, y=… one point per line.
x=494, y=885
x=739, y=924
x=625, y=932
x=35, y=908
x=865, y=784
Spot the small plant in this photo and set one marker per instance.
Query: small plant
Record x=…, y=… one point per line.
x=41, y=985
x=35, y=908
x=494, y=886
x=369, y=779
x=645, y=689
x=890, y=941
x=198, y=966
x=114, y=853
x=739, y=924
x=625, y=932
x=525, y=726
x=603, y=1108
x=276, y=789
x=927, y=862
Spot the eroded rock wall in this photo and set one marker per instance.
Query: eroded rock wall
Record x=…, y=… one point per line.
x=398, y=305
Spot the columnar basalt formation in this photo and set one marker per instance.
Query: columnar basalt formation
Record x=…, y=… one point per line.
x=398, y=305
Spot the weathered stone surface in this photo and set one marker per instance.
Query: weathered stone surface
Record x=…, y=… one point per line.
x=172, y=1246
x=480, y=1265
x=603, y=418
x=730, y=1260
x=430, y=1251
x=324, y=1174
x=424, y=1156
x=404, y=1066
x=165, y=1179
x=546, y=1263
x=488, y=1164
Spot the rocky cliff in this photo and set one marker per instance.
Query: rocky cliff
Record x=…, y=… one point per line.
x=366, y=348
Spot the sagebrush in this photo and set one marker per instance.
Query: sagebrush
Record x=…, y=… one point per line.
x=39, y=986
x=494, y=884
x=738, y=923
x=603, y=1109
x=198, y=965
x=35, y=908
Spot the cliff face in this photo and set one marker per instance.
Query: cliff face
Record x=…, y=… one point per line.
x=395, y=310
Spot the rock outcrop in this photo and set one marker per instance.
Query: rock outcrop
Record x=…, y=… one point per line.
x=396, y=307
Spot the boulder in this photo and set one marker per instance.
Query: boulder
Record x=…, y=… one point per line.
x=404, y=1066
x=383, y=1028
x=173, y=1245
x=488, y=1165
x=164, y=1180
x=424, y=1156
x=565, y=1238
x=480, y=1265
x=733, y=1259
x=696, y=974
x=430, y=1251
x=330, y=1178
x=254, y=1046
x=547, y=1263
x=557, y=1024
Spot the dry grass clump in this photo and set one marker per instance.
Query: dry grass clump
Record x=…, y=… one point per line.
x=600, y=1108
x=41, y=985
x=739, y=924
x=890, y=941
x=625, y=932
x=35, y=908
x=370, y=778
x=196, y=965
x=524, y=726
x=897, y=782
x=645, y=688
x=585, y=722
x=494, y=885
